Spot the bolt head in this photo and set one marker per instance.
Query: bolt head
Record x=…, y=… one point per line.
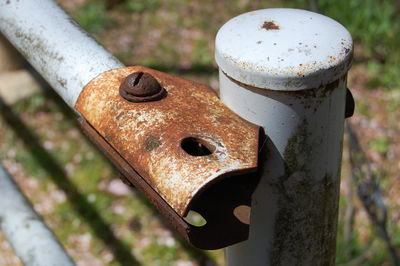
x=141, y=87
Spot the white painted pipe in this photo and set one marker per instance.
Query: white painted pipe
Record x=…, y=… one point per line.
x=32, y=241
x=56, y=46
x=285, y=69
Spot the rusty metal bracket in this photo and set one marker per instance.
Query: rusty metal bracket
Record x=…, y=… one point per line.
x=185, y=151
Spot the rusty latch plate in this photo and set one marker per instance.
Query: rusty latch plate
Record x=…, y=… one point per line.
x=158, y=144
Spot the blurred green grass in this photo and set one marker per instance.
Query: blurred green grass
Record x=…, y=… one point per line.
x=374, y=25
x=93, y=17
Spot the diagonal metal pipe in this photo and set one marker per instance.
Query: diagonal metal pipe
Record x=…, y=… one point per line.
x=56, y=46
x=33, y=242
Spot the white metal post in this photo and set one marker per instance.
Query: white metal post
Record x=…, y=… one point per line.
x=285, y=69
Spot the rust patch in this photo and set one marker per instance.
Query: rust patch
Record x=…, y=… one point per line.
x=148, y=138
x=270, y=25
x=216, y=203
x=152, y=143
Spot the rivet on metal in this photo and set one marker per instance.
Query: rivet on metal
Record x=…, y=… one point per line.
x=141, y=87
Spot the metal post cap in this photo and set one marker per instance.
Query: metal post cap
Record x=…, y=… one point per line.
x=283, y=49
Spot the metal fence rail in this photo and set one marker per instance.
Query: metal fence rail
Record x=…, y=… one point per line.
x=56, y=46
x=33, y=242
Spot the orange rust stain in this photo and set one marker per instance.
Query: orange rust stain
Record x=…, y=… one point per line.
x=270, y=25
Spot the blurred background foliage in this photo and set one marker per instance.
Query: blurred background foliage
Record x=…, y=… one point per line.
x=375, y=25
x=177, y=36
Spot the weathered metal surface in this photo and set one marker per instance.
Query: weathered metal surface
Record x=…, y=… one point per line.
x=217, y=204
x=141, y=87
x=285, y=69
x=294, y=208
x=33, y=242
x=283, y=49
x=55, y=45
x=177, y=150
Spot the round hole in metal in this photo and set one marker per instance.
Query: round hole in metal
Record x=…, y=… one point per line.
x=197, y=147
x=195, y=219
x=242, y=213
